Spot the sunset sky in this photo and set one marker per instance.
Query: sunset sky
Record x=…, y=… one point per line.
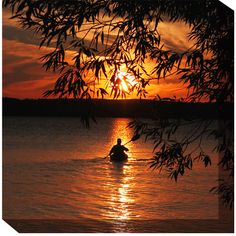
x=24, y=77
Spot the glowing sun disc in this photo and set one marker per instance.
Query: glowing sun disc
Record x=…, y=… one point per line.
x=123, y=81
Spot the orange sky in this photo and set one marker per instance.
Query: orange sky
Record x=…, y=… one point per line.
x=24, y=77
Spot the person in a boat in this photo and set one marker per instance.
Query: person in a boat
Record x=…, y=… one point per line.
x=118, y=151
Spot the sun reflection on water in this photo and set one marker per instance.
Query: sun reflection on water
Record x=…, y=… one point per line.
x=122, y=183
x=120, y=130
x=121, y=196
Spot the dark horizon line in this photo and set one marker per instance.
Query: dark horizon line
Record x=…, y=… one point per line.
x=116, y=108
x=164, y=100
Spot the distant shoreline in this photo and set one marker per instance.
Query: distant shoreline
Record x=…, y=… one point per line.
x=132, y=108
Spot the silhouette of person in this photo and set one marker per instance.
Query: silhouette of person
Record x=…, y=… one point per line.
x=118, y=151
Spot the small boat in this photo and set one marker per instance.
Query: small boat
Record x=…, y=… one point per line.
x=119, y=158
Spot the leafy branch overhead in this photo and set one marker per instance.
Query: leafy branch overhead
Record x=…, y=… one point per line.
x=106, y=35
x=178, y=145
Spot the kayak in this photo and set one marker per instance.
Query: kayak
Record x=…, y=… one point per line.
x=119, y=158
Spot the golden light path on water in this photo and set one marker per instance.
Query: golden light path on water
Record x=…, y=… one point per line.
x=120, y=197
x=120, y=189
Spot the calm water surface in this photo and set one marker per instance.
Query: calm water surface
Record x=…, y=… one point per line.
x=53, y=170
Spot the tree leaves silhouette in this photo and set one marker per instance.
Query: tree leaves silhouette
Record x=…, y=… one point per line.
x=109, y=34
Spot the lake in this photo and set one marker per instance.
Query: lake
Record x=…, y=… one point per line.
x=53, y=170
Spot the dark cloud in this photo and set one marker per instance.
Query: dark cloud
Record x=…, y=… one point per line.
x=23, y=36
x=13, y=78
x=6, y=59
x=175, y=45
x=22, y=73
x=29, y=37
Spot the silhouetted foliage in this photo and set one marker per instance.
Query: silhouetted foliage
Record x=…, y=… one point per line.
x=226, y=190
x=109, y=34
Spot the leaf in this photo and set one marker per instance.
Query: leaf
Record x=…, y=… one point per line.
x=102, y=37
x=207, y=160
x=104, y=69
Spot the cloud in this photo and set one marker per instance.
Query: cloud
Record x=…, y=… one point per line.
x=20, y=35
x=167, y=90
x=6, y=15
x=175, y=35
x=22, y=70
x=24, y=77
x=27, y=89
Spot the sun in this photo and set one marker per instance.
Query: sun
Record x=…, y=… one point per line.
x=123, y=82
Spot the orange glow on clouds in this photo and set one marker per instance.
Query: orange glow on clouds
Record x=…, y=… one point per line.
x=24, y=77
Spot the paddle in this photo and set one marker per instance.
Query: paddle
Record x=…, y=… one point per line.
x=135, y=137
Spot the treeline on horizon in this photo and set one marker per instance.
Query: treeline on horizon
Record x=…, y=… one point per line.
x=115, y=108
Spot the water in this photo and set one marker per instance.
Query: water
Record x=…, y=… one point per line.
x=53, y=169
